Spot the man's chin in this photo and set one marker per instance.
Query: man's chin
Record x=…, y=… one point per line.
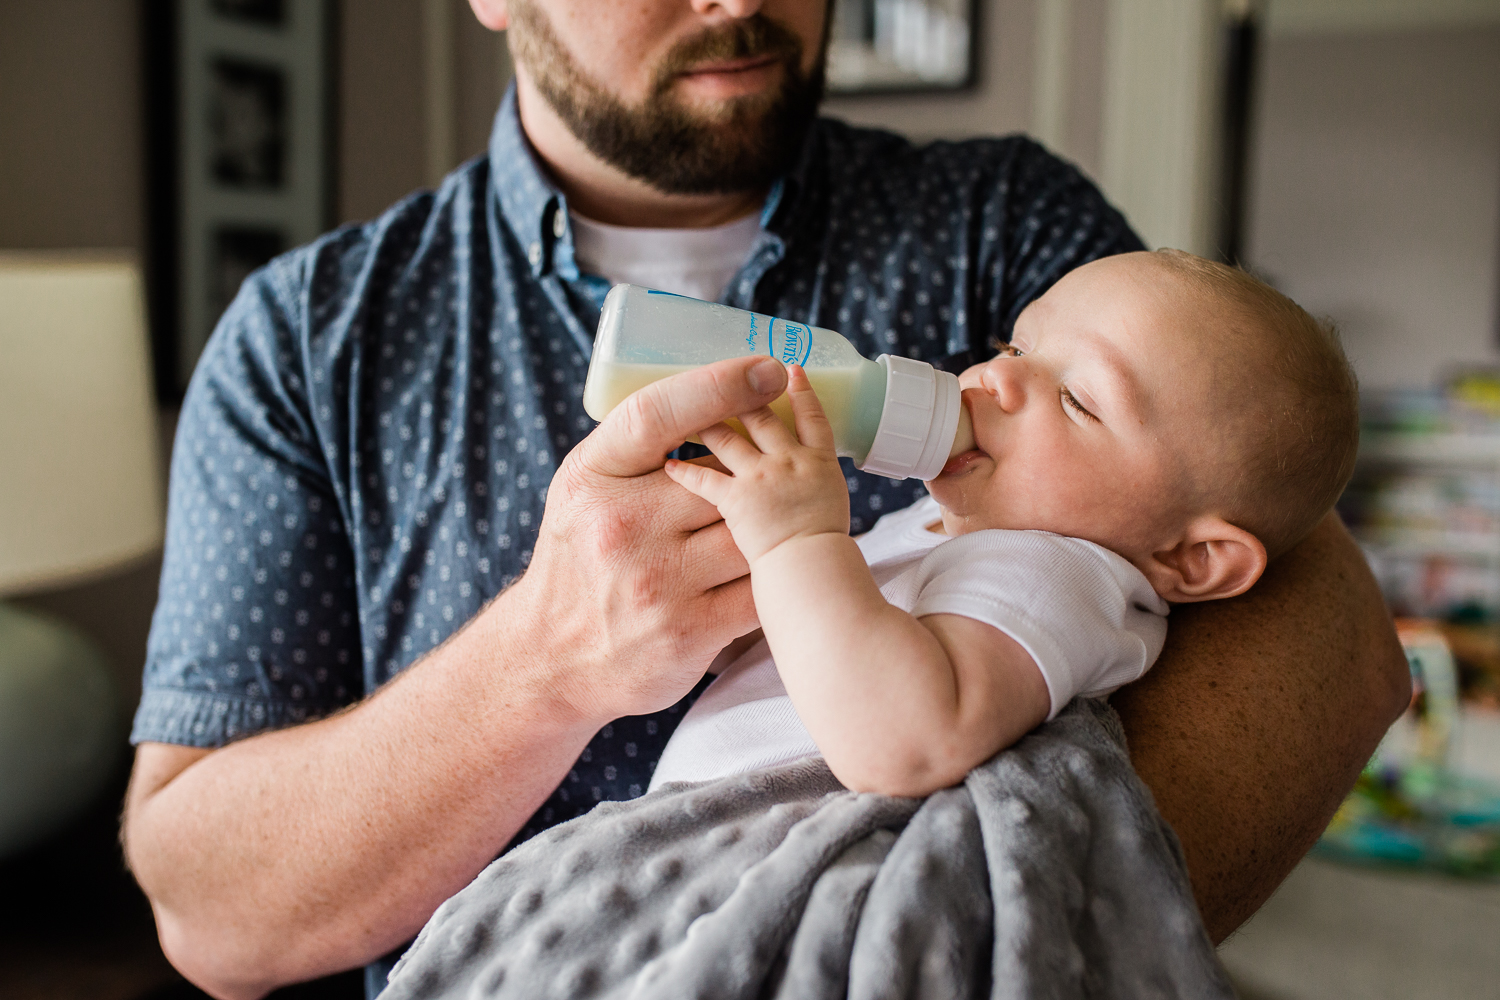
x=741, y=111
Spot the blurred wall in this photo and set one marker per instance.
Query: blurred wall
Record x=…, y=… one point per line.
x=71, y=119
x=70, y=124
x=380, y=105
x=1375, y=192
x=387, y=105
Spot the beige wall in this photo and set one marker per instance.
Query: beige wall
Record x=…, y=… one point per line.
x=71, y=118
x=70, y=124
x=1376, y=192
x=385, y=104
x=380, y=96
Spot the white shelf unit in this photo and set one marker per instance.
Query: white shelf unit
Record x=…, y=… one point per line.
x=1432, y=452
x=1471, y=450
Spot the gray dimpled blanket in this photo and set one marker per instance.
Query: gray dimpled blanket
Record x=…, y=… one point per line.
x=1047, y=874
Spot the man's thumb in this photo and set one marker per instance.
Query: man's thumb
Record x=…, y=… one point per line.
x=636, y=436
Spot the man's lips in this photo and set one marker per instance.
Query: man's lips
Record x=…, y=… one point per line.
x=732, y=66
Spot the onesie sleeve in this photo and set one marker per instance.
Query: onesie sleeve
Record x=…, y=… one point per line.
x=1088, y=617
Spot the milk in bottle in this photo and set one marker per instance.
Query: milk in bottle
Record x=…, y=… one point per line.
x=893, y=416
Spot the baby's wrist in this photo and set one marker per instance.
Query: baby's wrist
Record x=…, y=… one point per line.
x=796, y=548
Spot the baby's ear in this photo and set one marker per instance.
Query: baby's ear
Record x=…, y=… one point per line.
x=1212, y=560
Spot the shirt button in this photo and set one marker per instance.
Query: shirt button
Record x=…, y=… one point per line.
x=534, y=254
x=559, y=222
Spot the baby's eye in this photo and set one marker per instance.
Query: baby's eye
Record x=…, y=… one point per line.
x=1010, y=351
x=1072, y=401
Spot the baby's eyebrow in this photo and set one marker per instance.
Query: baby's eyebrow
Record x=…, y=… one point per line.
x=1118, y=376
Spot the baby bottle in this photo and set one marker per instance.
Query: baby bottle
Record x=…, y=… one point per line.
x=893, y=416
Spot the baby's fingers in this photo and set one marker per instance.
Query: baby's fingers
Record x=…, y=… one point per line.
x=698, y=480
x=729, y=447
x=813, y=429
x=767, y=431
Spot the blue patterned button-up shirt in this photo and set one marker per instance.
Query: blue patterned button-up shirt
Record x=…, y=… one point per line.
x=364, y=450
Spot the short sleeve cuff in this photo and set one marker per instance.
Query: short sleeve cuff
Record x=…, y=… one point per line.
x=207, y=720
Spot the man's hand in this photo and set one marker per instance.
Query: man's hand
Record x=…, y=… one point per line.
x=783, y=485
x=297, y=853
x=637, y=578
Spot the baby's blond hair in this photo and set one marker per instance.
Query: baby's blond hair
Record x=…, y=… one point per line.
x=1297, y=426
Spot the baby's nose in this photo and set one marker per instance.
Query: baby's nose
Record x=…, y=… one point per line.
x=1005, y=378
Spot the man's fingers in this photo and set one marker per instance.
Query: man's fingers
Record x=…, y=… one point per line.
x=813, y=428
x=713, y=550
x=670, y=505
x=733, y=603
x=636, y=436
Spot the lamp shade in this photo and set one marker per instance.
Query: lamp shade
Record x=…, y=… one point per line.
x=80, y=488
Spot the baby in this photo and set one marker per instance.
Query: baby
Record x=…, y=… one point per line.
x=1157, y=430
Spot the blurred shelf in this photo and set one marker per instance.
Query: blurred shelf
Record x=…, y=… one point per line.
x=1403, y=543
x=1431, y=449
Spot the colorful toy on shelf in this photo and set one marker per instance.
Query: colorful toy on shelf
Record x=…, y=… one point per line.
x=1410, y=807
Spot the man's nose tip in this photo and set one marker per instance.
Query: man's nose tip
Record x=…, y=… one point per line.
x=733, y=8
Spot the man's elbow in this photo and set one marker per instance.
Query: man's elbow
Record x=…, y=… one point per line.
x=204, y=961
x=1394, y=680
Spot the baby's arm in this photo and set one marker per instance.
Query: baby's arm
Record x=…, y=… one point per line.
x=897, y=705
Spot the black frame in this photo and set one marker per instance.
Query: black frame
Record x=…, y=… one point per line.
x=969, y=81
x=166, y=186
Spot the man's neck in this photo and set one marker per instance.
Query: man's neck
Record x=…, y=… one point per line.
x=600, y=192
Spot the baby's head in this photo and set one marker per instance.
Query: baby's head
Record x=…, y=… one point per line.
x=1174, y=410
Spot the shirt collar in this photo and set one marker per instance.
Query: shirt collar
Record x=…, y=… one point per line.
x=528, y=200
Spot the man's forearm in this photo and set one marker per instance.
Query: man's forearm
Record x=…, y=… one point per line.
x=1259, y=715
x=320, y=847
x=308, y=850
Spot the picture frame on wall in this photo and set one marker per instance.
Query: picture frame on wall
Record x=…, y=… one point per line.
x=902, y=46
x=241, y=155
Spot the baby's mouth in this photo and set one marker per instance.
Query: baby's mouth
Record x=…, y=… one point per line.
x=969, y=450
x=960, y=462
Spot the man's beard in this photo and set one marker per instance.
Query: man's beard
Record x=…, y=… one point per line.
x=746, y=145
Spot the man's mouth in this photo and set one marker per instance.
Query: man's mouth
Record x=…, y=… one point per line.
x=732, y=66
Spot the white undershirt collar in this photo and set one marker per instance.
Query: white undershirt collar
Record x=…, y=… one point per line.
x=695, y=262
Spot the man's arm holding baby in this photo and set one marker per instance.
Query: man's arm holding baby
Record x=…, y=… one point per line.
x=897, y=705
x=1259, y=714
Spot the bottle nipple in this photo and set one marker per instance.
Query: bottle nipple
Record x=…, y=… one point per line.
x=963, y=439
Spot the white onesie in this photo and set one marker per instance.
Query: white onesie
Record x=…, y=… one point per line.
x=1086, y=615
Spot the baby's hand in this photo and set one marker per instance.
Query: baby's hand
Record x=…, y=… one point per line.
x=782, y=486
